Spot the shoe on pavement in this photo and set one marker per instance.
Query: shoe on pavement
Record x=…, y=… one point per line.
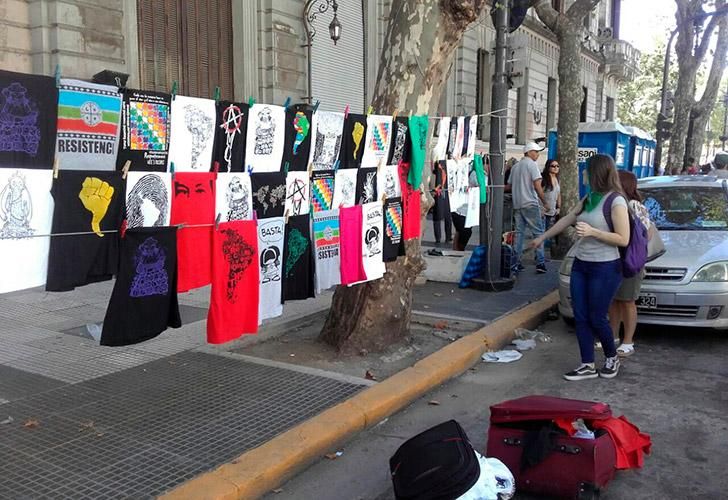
x=584, y=372
x=519, y=268
x=541, y=269
x=625, y=350
x=611, y=368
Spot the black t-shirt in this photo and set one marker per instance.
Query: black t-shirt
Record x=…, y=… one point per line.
x=28, y=120
x=366, y=185
x=230, y=136
x=144, y=138
x=144, y=301
x=89, y=202
x=352, y=142
x=401, y=145
x=393, y=245
x=298, y=267
x=298, y=137
x=269, y=194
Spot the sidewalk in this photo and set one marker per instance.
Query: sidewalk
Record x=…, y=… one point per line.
x=85, y=421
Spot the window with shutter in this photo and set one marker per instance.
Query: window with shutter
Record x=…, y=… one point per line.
x=190, y=41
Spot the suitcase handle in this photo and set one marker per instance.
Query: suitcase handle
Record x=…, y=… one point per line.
x=512, y=441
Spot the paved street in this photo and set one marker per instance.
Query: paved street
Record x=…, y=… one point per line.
x=675, y=388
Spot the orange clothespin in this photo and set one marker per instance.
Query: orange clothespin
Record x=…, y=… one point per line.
x=125, y=170
x=55, y=168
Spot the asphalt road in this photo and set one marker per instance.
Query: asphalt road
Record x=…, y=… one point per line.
x=675, y=388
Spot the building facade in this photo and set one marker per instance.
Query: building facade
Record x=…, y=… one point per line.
x=268, y=49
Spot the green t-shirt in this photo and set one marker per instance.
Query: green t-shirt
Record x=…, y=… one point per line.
x=482, y=179
x=418, y=126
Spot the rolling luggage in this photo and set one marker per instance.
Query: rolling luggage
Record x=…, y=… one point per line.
x=437, y=464
x=566, y=467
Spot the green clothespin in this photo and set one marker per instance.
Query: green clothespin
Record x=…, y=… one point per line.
x=251, y=101
x=285, y=168
x=217, y=94
x=174, y=89
x=58, y=75
x=315, y=106
x=171, y=168
x=287, y=103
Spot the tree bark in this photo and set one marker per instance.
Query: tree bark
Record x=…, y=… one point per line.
x=418, y=52
x=568, y=28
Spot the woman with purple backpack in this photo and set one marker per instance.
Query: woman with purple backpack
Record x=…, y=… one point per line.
x=597, y=270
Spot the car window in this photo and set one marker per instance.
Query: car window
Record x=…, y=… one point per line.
x=687, y=208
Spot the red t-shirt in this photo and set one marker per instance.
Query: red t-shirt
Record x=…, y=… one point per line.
x=193, y=202
x=235, y=282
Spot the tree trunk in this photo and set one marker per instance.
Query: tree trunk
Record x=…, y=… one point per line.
x=418, y=52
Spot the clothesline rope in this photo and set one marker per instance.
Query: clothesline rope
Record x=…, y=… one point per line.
x=108, y=231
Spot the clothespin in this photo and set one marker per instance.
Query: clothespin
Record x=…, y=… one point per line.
x=251, y=101
x=410, y=113
x=217, y=94
x=216, y=166
x=394, y=115
x=287, y=103
x=315, y=106
x=125, y=169
x=337, y=163
x=55, y=168
x=123, y=228
x=217, y=221
x=250, y=170
x=255, y=215
x=384, y=197
x=346, y=112
x=310, y=169
x=286, y=216
x=379, y=165
x=171, y=168
x=370, y=110
x=174, y=89
x=286, y=167
x=58, y=75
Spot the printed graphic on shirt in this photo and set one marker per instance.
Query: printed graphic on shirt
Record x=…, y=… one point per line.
x=145, y=122
x=199, y=125
x=264, y=132
x=96, y=196
x=322, y=191
x=19, y=130
x=16, y=209
x=297, y=202
x=271, y=239
x=239, y=254
x=302, y=126
x=329, y=128
x=389, y=181
x=357, y=135
x=147, y=199
x=400, y=141
x=366, y=190
x=237, y=198
x=232, y=125
x=377, y=142
x=297, y=246
x=270, y=197
x=148, y=125
x=394, y=222
x=192, y=134
x=345, y=188
x=150, y=276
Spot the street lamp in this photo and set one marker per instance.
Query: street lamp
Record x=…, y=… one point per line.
x=311, y=11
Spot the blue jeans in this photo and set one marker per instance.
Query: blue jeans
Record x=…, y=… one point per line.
x=593, y=287
x=528, y=218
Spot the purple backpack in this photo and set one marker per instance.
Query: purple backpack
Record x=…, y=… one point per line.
x=634, y=255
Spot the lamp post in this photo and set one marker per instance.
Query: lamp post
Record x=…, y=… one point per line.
x=311, y=11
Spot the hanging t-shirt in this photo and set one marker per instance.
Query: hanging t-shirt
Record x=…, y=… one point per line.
x=378, y=138
x=472, y=216
x=148, y=199
x=298, y=263
x=352, y=143
x=393, y=243
x=439, y=151
x=89, y=202
x=88, y=125
x=192, y=134
x=235, y=282
x=28, y=118
x=457, y=184
x=269, y=194
x=266, y=137
x=299, y=130
x=452, y=137
x=328, y=128
x=326, y=239
x=418, y=128
x=366, y=185
x=230, y=134
x=411, y=205
x=297, y=193
x=144, y=301
x=350, y=228
x=372, y=240
x=401, y=144
x=482, y=179
x=322, y=190
x=26, y=210
x=270, y=253
x=472, y=134
x=144, y=130
x=345, y=188
x=193, y=204
x=233, y=196
x=389, y=182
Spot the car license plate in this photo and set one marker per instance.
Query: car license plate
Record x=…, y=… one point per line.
x=647, y=301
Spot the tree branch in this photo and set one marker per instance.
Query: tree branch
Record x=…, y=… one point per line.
x=547, y=14
x=581, y=8
x=707, y=101
x=705, y=42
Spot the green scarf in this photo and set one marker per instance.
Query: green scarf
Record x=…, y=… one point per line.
x=592, y=200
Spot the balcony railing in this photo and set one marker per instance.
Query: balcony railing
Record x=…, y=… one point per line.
x=622, y=60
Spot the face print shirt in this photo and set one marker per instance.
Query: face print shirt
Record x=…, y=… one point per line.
x=28, y=119
x=235, y=282
x=270, y=253
x=144, y=301
x=92, y=203
x=193, y=204
x=148, y=199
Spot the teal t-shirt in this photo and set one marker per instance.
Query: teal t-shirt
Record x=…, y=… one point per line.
x=418, y=126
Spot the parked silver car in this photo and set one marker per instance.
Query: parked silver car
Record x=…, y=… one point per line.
x=688, y=285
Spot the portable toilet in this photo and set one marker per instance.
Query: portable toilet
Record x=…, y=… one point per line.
x=598, y=137
x=641, y=152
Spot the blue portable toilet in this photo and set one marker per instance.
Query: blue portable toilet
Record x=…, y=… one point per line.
x=598, y=137
x=641, y=152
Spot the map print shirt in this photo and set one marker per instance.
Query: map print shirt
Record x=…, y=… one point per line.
x=192, y=135
x=88, y=126
x=144, y=301
x=352, y=142
x=299, y=130
x=298, y=260
x=28, y=116
x=144, y=130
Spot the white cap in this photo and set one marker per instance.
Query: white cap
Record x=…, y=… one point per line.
x=532, y=146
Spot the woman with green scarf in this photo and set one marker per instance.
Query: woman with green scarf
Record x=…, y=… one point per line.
x=597, y=271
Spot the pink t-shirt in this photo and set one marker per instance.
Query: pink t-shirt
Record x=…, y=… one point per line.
x=352, y=265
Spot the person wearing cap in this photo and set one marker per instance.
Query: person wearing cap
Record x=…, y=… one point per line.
x=721, y=165
x=528, y=200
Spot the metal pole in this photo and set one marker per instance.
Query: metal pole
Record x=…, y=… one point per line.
x=663, y=98
x=725, y=118
x=497, y=152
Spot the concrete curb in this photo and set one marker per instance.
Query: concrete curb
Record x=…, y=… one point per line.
x=262, y=469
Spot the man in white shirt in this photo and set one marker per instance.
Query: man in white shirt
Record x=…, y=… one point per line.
x=528, y=198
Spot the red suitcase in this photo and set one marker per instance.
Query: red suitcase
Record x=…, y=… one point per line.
x=574, y=468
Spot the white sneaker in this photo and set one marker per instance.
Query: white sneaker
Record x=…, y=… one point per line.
x=625, y=350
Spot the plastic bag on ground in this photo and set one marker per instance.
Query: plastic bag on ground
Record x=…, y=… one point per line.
x=524, y=345
x=506, y=356
x=523, y=334
x=496, y=481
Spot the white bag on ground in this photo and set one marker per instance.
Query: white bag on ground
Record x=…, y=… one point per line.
x=496, y=481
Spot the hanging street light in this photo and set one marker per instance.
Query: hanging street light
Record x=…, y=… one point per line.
x=311, y=11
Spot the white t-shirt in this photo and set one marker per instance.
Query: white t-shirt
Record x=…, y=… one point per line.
x=591, y=249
